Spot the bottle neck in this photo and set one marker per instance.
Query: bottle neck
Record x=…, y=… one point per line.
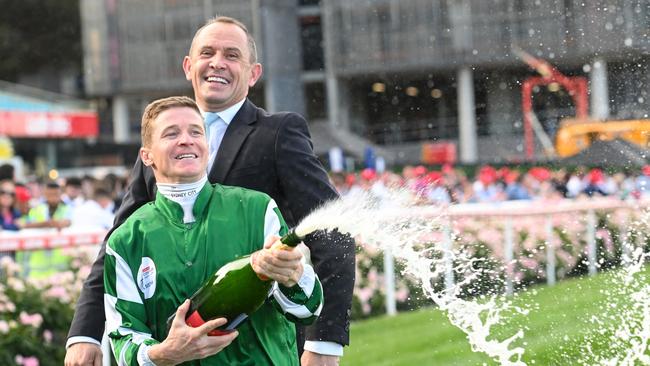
x=291, y=238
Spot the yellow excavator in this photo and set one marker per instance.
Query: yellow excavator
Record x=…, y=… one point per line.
x=574, y=134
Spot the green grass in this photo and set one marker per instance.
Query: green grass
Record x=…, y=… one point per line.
x=557, y=328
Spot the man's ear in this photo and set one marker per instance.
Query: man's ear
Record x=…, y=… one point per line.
x=256, y=74
x=145, y=156
x=187, y=65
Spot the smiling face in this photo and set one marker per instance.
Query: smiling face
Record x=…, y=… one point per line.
x=178, y=150
x=220, y=66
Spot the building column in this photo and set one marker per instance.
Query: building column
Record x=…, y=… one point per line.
x=51, y=155
x=333, y=96
x=467, y=117
x=336, y=105
x=282, y=56
x=599, y=90
x=120, y=120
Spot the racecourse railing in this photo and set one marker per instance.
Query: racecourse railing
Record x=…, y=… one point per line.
x=504, y=212
x=507, y=213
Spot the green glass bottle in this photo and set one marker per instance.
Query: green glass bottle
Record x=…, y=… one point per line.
x=234, y=292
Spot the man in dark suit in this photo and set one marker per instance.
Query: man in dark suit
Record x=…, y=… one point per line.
x=249, y=148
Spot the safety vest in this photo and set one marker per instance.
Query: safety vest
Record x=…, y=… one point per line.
x=40, y=264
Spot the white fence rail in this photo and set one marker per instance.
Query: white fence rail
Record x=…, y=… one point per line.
x=36, y=239
x=508, y=212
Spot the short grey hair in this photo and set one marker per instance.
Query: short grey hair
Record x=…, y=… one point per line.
x=252, y=47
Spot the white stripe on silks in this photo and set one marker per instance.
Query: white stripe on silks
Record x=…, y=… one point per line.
x=320, y=307
x=288, y=306
x=307, y=280
x=136, y=337
x=122, y=361
x=124, y=282
x=272, y=224
x=113, y=317
x=114, y=321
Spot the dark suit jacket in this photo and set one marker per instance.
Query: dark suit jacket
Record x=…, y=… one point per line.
x=271, y=153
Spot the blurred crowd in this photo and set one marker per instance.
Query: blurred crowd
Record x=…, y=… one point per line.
x=490, y=184
x=66, y=202
x=91, y=203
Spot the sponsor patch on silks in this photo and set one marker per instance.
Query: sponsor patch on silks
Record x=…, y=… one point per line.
x=147, y=277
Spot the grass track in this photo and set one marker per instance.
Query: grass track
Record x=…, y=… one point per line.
x=556, y=329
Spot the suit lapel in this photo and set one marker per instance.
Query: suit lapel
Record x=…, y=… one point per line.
x=240, y=127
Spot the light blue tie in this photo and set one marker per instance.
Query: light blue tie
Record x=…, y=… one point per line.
x=215, y=128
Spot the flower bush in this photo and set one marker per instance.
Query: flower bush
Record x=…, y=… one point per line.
x=369, y=288
x=35, y=315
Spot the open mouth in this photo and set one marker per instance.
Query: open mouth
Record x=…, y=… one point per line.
x=217, y=79
x=186, y=156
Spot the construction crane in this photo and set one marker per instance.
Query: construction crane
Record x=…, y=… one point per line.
x=574, y=134
x=576, y=86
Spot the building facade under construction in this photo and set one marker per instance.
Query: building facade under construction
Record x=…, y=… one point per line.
x=390, y=74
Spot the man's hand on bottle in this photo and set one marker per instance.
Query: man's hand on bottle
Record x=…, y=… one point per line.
x=276, y=263
x=184, y=343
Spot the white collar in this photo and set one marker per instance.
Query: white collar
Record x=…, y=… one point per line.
x=184, y=194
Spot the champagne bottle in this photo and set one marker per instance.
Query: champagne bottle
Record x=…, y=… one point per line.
x=234, y=292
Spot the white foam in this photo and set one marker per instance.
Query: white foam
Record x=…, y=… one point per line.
x=394, y=223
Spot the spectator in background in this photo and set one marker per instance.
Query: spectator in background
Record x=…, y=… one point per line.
x=88, y=185
x=23, y=197
x=576, y=184
x=515, y=187
x=595, y=183
x=369, y=182
x=485, y=187
x=410, y=177
x=392, y=181
x=96, y=212
x=72, y=193
x=112, y=184
x=364, y=184
x=560, y=180
x=418, y=183
x=8, y=210
x=35, y=187
x=53, y=213
x=643, y=182
x=9, y=214
x=460, y=189
x=350, y=182
x=437, y=193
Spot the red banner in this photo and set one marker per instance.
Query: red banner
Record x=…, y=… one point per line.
x=439, y=153
x=49, y=124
